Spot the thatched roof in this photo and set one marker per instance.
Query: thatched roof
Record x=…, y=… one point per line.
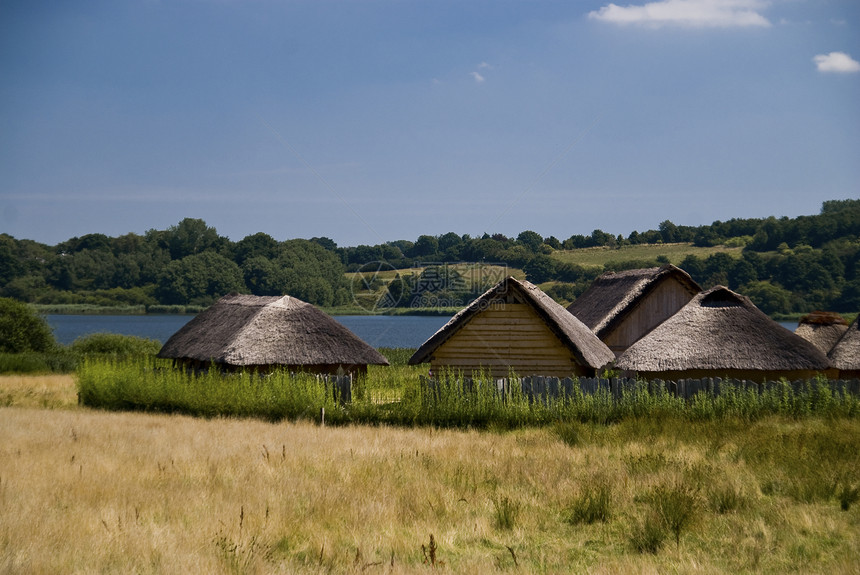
x=845, y=355
x=247, y=330
x=588, y=350
x=721, y=330
x=822, y=328
x=613, y=295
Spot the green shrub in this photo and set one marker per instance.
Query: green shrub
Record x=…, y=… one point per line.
x=675, y=505
x=725, y=498
x=506, y=513
x=647, y=534
x=397, y=355
x=114, y=344
x=55, y=361
x=592, y=505
x=22, y=329
x=848, y=494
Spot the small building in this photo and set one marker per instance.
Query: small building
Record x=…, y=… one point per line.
x=514, y=326
x=621, y=307
x=723, y=334
x=845, y=355
x=823, y=328
x=265, y=333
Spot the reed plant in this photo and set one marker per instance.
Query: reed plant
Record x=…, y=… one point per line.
x=399, y=395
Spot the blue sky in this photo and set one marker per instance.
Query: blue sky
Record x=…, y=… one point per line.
x=371, y=121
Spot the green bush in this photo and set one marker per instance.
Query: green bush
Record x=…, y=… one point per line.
x=56, y=361
x=115, y=345
x=647, y=534
x=22, y=329
x=592, y=505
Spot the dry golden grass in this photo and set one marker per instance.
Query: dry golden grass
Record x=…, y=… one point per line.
x=84, y=491
x=53, y=391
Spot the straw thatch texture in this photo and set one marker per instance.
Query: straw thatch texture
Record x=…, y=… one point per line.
x=721, y=333
x=253, y=331
x=822, y=328
x=845, y=355
x=622, y=307
x=566, y=331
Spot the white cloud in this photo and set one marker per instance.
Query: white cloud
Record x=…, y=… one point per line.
x=478, y=78
x=687, y=14
x=837, y=62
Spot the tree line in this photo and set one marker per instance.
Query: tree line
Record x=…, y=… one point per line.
x=787, y=264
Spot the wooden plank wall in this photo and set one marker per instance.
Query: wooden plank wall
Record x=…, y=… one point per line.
x=505, y=337
x=666, y=299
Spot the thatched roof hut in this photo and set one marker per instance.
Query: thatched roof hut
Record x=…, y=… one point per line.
x=514, y=326
x=845, y=355
x=822, y=328
x=723, y=334
x=261, y=333
x=621, y=307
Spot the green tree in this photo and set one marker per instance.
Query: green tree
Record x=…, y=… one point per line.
x=198, y=279
x=769, y=298
x=22, y=329
x=425, y=246
x=668, y=231
x=191, y=236
x=742, y=273
x=257, y=245
x=263, y=277
x=531, y=240
x=540, y=269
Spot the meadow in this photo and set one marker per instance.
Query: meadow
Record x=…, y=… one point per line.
x=675, y=253
x=85, y=491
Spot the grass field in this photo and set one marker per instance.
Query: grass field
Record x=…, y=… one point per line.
x=599, y=256
x=85, y=491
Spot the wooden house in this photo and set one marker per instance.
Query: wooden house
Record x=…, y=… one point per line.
x=823, y=328
x=264, y=333
x=845, y=354
x=621, y=307
x=723, y=334
x=514, y=326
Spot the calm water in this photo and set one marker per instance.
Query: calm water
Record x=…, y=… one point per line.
x=377, y=330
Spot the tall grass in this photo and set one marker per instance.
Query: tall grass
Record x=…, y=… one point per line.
x=398, y=395
x=151, y=385
x=86, y=491
x=64, y=359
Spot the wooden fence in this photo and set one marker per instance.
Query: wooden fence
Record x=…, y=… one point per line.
x=537, y=387
x=340, y=386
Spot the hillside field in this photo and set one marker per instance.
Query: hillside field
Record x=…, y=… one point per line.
x=600, y=256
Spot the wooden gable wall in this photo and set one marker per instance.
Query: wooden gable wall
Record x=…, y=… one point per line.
x=658, y=306
x=506, y=336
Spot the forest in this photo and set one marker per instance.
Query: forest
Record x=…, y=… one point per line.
x=785, y=265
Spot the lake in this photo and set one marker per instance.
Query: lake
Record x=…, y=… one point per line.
x=376, y=330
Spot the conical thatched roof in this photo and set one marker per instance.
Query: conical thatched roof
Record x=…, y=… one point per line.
x=588, y=350
x=247, y=330
x=845, y=355
x=721, y=330
x=822, y=328
x=614, y=294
